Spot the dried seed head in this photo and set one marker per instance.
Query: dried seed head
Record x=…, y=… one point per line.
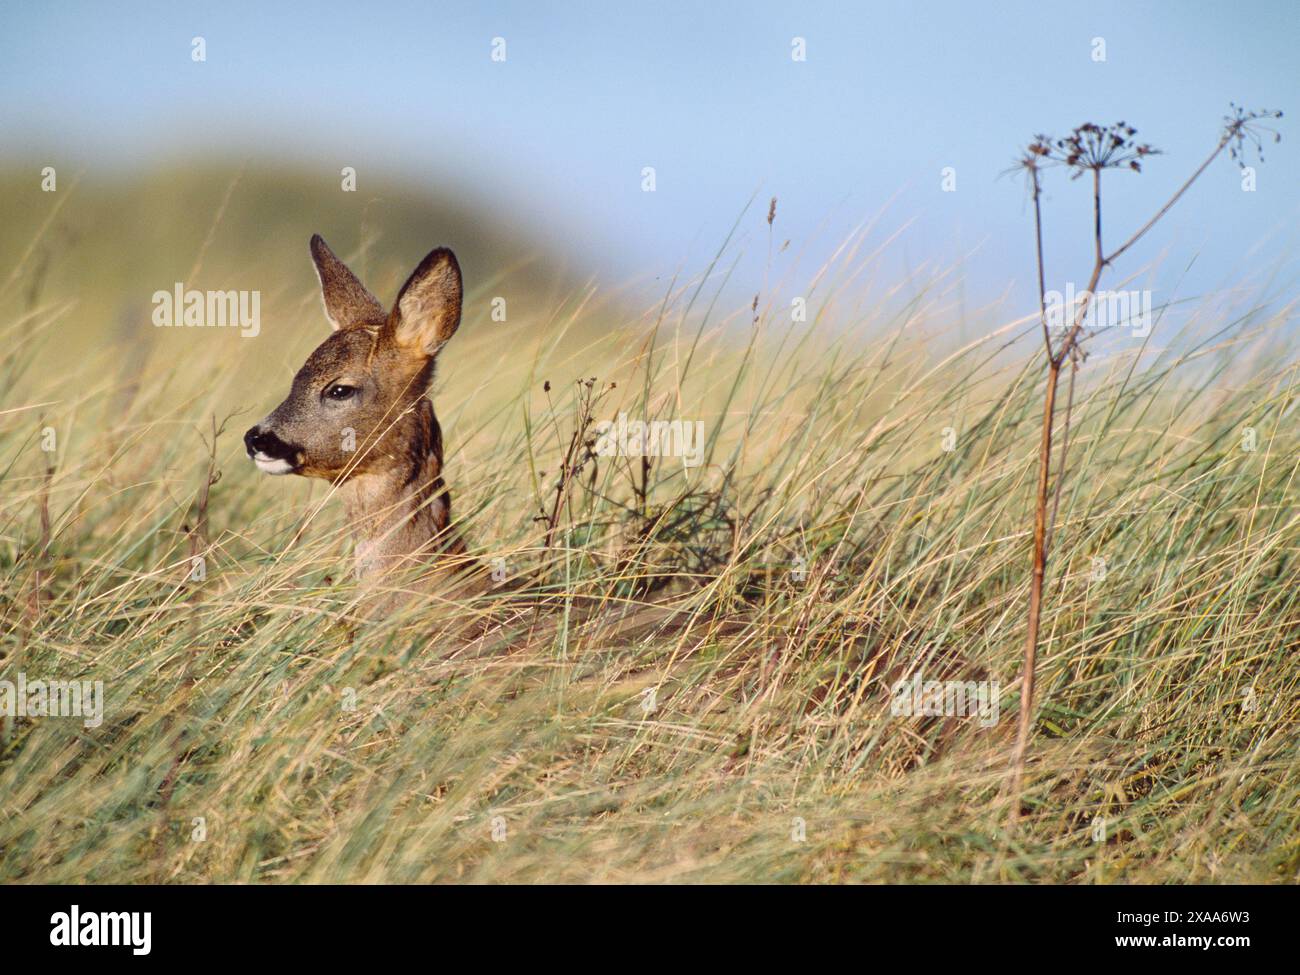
x=1241, y=126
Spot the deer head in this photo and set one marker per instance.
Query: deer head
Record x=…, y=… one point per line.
x=357, y=413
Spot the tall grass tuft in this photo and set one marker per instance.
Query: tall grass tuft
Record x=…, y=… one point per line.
x=691, y=677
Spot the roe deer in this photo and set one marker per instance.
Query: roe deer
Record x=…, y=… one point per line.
x=358, y=414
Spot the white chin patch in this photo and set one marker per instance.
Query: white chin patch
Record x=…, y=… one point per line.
x=272, y=465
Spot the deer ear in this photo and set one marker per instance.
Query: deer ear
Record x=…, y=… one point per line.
x=427, y=312
x=347, y=302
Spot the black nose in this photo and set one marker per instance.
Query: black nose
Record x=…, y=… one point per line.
x=259, y=441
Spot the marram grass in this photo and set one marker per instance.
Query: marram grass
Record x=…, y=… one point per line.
x=691, y=681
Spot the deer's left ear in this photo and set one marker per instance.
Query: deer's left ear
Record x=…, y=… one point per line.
x=427, y=311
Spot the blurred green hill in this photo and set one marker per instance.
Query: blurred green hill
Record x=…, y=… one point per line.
x=106, y=244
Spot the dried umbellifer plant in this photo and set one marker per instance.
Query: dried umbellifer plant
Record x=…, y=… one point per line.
x=1089, y=150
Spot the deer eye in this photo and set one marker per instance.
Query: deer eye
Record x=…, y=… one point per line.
x=340, y=392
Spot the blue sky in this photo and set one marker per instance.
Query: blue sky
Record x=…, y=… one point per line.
x=707, y=94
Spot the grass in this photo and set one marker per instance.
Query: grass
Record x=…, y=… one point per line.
x=693, y=683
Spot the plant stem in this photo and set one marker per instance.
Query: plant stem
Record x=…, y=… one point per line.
x=1044, y=523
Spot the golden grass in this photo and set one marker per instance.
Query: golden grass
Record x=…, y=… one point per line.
x=687, y=677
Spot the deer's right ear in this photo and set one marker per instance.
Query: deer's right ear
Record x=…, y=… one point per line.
x=347, y=302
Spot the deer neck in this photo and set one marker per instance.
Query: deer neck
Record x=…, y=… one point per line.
x=401, y=511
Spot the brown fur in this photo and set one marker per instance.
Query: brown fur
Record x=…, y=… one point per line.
x=389, y=470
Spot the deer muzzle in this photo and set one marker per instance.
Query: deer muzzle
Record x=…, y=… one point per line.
x=271, y=454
